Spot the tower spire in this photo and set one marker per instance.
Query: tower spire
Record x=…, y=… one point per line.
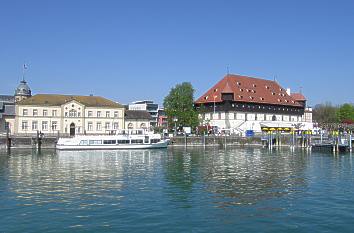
x=24, y=68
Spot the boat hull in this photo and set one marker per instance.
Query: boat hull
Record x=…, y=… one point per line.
x=113, y=147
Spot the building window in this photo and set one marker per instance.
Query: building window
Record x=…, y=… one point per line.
x=107, y=114
x=89, y=114
x=116, y=114
x=89, y=126
x=54, y=113
x=79, y=114
x=25, y=112
x=45, y=112
x=130, y=125
x=98, y=113
x=7, y=126
x=98, y=126
x=24, y=125
x=107, y=126
x=274, y=118
x=72, y=113
x=54, y=125
x=34, y=125
x=66, y=114
x=35, y=112
x=115, y=125
x=143, y=126
x=44, y=125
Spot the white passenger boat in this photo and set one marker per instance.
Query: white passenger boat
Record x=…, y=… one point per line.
x=124, y=139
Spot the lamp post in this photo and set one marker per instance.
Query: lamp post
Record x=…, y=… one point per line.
x=175, y=119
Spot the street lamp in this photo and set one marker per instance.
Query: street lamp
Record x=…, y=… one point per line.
x=175, y=119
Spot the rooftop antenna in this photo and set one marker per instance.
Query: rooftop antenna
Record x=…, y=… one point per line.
x=300, y=90
x=275, y=78
x=228, y=70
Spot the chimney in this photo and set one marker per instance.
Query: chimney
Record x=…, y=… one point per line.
x=288, y=91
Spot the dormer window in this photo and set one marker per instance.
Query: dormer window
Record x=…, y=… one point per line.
x=267, y=87
x=254, y=85
x=241, y=89
x=206, y=97
x=261, y=98
x=273, y=93
x=238, y=83
x=215, y=90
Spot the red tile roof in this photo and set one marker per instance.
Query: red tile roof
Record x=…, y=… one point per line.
x=248, y=89
x=298, y=96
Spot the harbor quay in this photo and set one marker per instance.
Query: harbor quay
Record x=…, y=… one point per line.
x=327, y=143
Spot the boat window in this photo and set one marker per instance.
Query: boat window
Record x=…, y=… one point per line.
x=137, y=141
x=83, y=142
x=155, y=140
x=146, y=139
x=109, y=141
x=95, y=142
x=123, y=141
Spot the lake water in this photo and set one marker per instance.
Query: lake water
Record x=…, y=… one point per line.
x=176, y=190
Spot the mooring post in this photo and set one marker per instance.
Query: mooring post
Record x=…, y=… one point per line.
x=204, y=140
x=350, y=142
x=8, y=141
x=185, y=139
x=39, y=140
x=225, y=140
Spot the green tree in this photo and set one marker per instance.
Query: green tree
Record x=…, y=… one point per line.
x=325, y=113
x=179, y=104
x=345, y=113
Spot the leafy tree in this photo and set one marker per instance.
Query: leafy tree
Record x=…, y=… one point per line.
x=325, y=113
x=345, y=113
x=179, y=103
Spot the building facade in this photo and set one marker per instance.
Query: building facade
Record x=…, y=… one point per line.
x=137, y=119
x=68, y=114
x=240, y=103
x=147, y=105
x=7, y=107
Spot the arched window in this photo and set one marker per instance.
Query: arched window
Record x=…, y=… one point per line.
x=130, y=125
x=143, y=125
x=274, y=118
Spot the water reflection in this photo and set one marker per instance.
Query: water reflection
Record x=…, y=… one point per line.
x=236, y=176
x=65, y=176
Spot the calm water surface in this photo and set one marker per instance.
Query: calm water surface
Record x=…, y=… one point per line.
x=176, y=190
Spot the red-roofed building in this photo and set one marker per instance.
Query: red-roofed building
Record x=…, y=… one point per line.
x=241, y=103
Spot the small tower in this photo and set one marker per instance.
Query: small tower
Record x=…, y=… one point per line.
x=22, y=91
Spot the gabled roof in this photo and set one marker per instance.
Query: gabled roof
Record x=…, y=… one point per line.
x=298, y=96
x=137, y=114
x=248, y=89
x=58, y=100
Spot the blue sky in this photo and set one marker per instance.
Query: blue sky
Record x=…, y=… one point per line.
x=132, y=50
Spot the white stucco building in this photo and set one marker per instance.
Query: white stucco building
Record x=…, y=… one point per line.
x=240, y=103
